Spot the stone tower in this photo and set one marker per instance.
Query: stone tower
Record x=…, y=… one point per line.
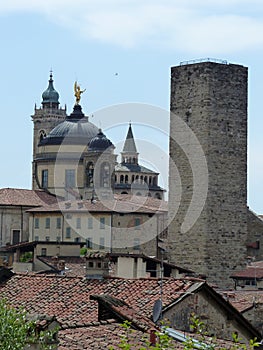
x=45, y=119
x=211, y=99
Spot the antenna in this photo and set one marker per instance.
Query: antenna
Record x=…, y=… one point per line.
x=158, y=305
x=157, y=310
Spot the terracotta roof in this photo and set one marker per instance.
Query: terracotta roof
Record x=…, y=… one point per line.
x=30, y=198
x=243, y=300
x=120, y=204
x=99, y=337
x=252, y=271
x=69, y=298
x=121, y=311
x=75, y=266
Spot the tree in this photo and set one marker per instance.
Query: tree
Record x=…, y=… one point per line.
x=18, y=332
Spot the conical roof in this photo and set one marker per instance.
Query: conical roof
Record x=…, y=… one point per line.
x=129, y=145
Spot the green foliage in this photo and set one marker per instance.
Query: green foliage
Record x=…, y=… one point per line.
x=83, y=251
x=16, y=331
x=26, y=257
x=165, y=342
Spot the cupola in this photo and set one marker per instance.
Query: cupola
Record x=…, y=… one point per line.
x=100, y=143
x=50, y=96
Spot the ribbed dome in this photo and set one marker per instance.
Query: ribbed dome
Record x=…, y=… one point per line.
x=75, y=130
x=50, y=95
x=100, y=143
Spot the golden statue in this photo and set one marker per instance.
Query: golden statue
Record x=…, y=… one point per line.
x=78, y=92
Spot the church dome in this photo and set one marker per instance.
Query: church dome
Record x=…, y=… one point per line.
x=50, y=95
x=100, y=143
x=75, y=130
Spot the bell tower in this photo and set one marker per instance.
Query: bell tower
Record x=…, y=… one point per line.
x=45, y=119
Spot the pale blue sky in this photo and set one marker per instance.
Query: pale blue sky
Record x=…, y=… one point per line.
x=92, y=40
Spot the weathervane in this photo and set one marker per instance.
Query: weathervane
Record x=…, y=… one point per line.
x=78, y=92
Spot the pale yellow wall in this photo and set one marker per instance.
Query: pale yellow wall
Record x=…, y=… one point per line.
x=54, y=250
x=13, y=218
x=124, y=233
x=69, y=219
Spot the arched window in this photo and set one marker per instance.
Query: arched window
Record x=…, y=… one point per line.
x=105, y=175
x=126, y=179
x=150, y=180
x=124, y=192
x=121, y=179
x=89, y=174
x=155, y=181
x=42, y=134
x=115, y=178
x=141, y=179
x=138, y=194
x=157, y=195
x=133, y=177
x=146, y=179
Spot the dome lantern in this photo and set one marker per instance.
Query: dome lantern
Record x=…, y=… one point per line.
x=50, y=96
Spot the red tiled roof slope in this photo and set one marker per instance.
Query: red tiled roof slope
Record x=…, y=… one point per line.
x=243, y=300
x=69, y=298
x=120, y=203
x=24, y=197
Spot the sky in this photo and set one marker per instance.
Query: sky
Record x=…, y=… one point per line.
x=121, y=52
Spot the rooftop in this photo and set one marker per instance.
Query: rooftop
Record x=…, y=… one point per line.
x=24, y=197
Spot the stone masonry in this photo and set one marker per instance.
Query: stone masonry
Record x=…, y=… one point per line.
x=211, y=98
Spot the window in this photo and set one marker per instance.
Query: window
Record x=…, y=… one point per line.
x=44, y=180
x=36, y=238
x=136, y=244
x=42, y=134
x=91, y=264
x=36, y=222
x=89, y=174
x=58, y=222
x=89, y=244
x=43, y=251
x=78, y=223
x=16, y=236
x=102, y=223
x=68, y=232
x=70, y=178
x=90, y=223
x=105, y=175
x=47, y=222
x=58, y=239
x=121, y=179
x=137, y=223
x=126, y=179
x=77, y=239
x=102, y=243
x=47, y=238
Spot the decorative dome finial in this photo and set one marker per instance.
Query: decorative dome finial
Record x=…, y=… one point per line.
x=77, y=92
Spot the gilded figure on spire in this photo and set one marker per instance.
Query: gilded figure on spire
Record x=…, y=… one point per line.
x=78, y=92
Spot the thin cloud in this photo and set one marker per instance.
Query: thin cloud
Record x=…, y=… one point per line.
x=195, y=27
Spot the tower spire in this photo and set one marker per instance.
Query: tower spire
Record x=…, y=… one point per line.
x=129, y=153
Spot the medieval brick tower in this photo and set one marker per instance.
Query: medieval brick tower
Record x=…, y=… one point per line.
x=208, y=236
